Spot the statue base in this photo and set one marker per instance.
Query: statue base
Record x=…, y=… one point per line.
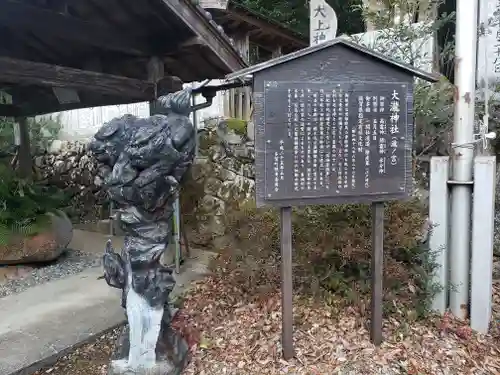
x=172, y=354
x=120, y=367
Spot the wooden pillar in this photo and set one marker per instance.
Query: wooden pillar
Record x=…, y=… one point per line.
x=277, y=52
x=237, y=98
x=232, y=111
x=248, y=103
x=241, y=98
x=25, y=166
x=377, y=272
x=242, y=44
x=286, y=283
x=226, y=104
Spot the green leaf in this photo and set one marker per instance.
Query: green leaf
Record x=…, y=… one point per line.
x=204, y=343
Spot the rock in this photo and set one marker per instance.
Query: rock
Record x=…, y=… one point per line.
x=8, y=273
x=231, y=131
x=98, y=181
x=55, y=147
x=71, y=167
x=42, y=247
x=251, y=130
x=39, y=161
x=62, y=228
x=226, y=174
x=426, y=228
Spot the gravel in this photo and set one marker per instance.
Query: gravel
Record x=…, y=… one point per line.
x=70, y=263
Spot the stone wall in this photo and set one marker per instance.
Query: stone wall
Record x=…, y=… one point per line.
x=69, y=166
x=222, y=178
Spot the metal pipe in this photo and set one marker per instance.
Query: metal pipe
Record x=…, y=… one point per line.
x=177, y=237
x=208, y=103
x=195, y=125
x=463, y=153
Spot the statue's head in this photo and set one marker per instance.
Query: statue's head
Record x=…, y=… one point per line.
x=110, y=139
x=144, y=154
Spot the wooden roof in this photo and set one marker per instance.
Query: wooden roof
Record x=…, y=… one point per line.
x=101, y=52
x=335, y=42
x=237, y=18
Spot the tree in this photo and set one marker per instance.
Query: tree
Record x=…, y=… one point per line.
x=433, y=104
x=295, y=13
x=445, y=36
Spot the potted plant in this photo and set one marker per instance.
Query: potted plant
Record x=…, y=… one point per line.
x=32, y=226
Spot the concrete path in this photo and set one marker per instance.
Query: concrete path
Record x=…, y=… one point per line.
x=92, y=242
x=43, y=323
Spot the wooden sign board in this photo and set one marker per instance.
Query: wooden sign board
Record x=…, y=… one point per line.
x=333, y=124
x=334, y=142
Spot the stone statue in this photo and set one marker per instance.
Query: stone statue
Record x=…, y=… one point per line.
x=144, y=160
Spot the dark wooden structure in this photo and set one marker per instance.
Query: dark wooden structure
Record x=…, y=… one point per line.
x=242, y=23
x=66, y=54
x=333, y=124
x=258, y=38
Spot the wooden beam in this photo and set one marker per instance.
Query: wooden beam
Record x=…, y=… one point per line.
x=10, y=110
x=30, y=109
x=268, y=29
x=45, y=23
x=202, y=27
x=194, y=41
x=36, y=108
x=39, y=74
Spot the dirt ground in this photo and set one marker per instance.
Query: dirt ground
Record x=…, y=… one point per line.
x=235, y=338
x=90, y=359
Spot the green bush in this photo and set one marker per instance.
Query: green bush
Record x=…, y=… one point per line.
x=237, y=125
x=332, y=251
x=24, y=205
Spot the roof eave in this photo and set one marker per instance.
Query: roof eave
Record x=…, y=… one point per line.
x=305, y=51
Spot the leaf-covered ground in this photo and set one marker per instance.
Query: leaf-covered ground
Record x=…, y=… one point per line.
x=232, y=337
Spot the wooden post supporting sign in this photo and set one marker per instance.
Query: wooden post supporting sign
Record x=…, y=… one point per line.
x=377, y=272
x=286, y=282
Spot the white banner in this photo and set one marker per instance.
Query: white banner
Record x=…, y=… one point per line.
x=322, y=22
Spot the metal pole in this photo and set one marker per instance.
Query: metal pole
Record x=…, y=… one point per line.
x=483, y=228
x=463, y=153
x=439, y=216
x=286, y=283
x=177, y=237
x=377, y=272
x=195, y=125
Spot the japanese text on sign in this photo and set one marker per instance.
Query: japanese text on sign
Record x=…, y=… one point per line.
x=323, y=22
x=496, y=48
x=329, y=140
x=488, y=53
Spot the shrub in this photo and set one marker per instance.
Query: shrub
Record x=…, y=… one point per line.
x=43, y=130
x=24, y=204
x=332, y=252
